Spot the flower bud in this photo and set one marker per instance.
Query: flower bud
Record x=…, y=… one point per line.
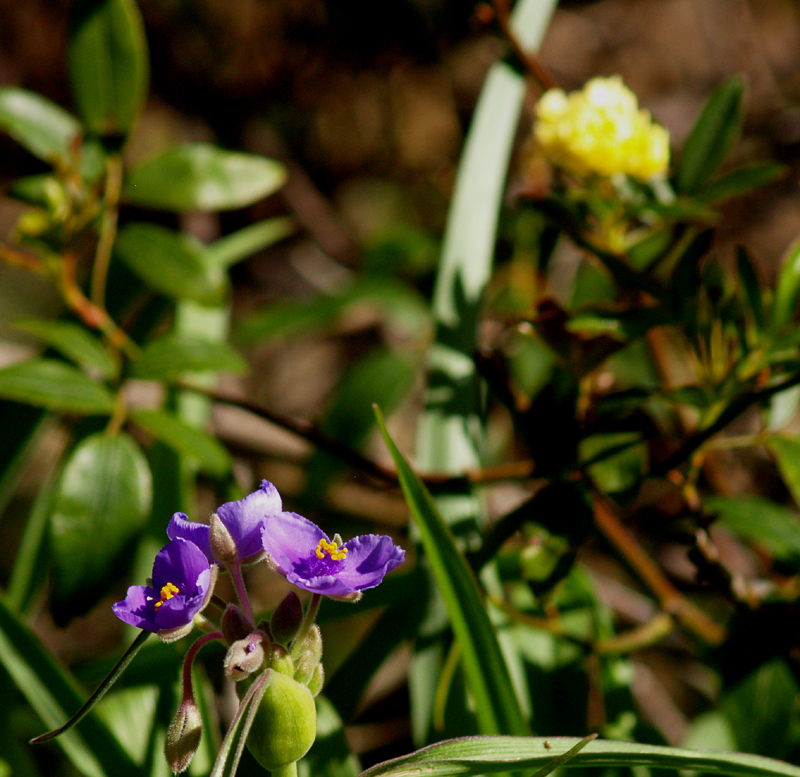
x=222, y=543
x=280, y=660
x=285, y=725
x=235, y=625
x=304, y=667
x=245, y=656
x=317, y=681
x=311, y=642
x=287, y=619
x=183, y=736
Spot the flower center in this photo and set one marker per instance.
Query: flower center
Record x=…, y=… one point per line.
x=167, y=592
x=332, y=549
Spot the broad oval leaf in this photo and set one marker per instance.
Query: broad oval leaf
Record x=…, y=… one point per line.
x=193, y=443
x=171, y=263
x=41, y=126
x=56, y=386
x=487, y=755
x=108, y=64
x=200, y=176
x=172, y=356
x=101, y=504
x=73, y=341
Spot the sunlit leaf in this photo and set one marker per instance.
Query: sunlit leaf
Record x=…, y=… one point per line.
x=42, y=127
x=55, y=386
x=73, y=341
x=247, y=241
x=199, y=176
x=171, y=356
x=193, y=443
x=487, y=755
x=787, y=290
x=102, y=502
x=108, y=64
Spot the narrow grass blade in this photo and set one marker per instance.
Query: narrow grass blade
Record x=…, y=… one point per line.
x=487, y=675
x=488, y=755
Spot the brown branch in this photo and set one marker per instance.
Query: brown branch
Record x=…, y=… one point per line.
x=670, y=599
x=532, y=63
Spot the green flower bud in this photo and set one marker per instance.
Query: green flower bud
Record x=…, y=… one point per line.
x=280, y=660
x=285, y=725
x=235, y=625
x=311, y=642
x=317, y=681
x=287, y=619
x=245, y=656
x=222, y=544
x=304, y=666
x=183, y=736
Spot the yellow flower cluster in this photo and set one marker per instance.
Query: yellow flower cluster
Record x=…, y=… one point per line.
x=601, y=130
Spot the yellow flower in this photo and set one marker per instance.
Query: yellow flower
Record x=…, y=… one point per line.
x=601, y=130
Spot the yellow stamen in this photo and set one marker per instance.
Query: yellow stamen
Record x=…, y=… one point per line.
x=167, y=592
x=332, y=548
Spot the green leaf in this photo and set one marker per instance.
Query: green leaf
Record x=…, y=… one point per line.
x=74, y=342
x=751, y=287
x=42, y=127
x=53, y=695
x=488, y=678
x=171, y=263
x=487, y=755
x=56, y=386
x=101, y=504
x=787, y=290
x=108, y=64
x=711, y=137
x=761, y=521
x=170, y=356
x=199, y=176
x=193, y=443
x=786, y=451
x=740, y=181
x=247, y=241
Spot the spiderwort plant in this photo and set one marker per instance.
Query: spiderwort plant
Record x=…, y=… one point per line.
x=275, y=664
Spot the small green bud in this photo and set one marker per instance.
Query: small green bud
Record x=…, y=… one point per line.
x=222, y=544
x=280, y=660
x=285, y=725
x=304, y=667
x=287, y=619
x=245, y=656
x=183, y=736
x=235, y=625
x=311, y=642
x=317, y=681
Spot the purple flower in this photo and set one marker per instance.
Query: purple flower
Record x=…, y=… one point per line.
x=300, y=551
x=181, y=586
x=241, y=524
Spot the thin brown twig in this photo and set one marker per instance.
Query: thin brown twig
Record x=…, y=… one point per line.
x=533, y=64
x=670, y=599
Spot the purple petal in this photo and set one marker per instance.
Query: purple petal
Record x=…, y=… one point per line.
x=181, y=563
x=244, y=519
x=369, y=558
x=138, y=608
x=182, y=528
x=290, y=539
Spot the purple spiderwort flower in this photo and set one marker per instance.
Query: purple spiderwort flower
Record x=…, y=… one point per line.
x=181, y=586
x=242, y=521
x=300, y=551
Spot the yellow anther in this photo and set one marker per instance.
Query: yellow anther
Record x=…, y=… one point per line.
x=332, y=549
x=167, y=592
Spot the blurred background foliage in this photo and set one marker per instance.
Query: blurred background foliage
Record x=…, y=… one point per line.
x=633, y=507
